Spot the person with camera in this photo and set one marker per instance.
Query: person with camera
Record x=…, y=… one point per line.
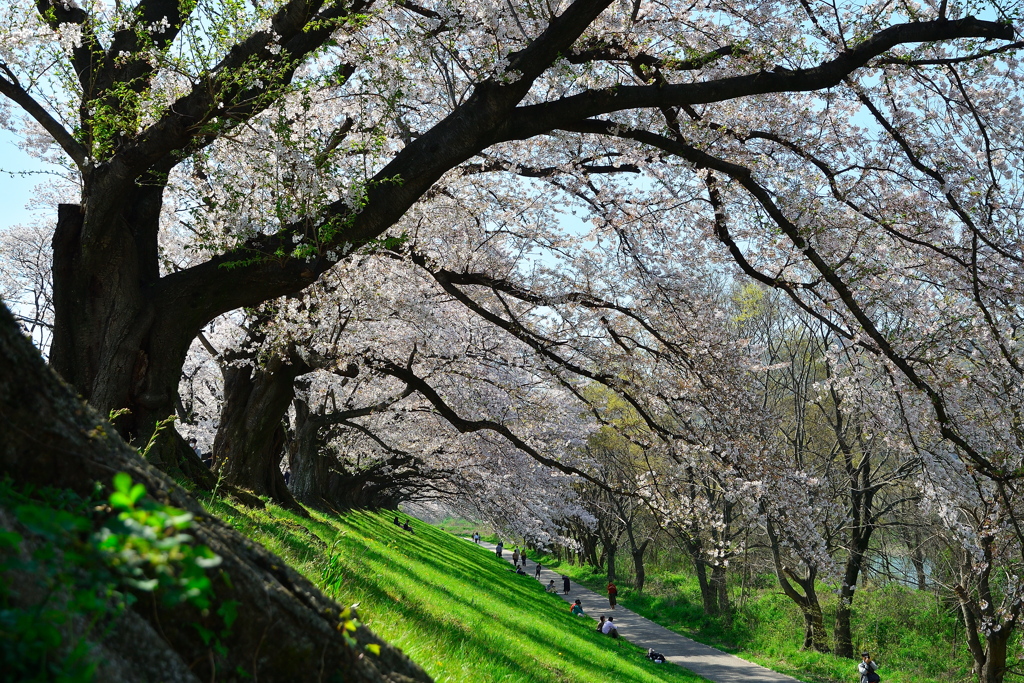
x=866, y=668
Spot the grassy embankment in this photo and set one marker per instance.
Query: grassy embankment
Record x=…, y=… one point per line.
x=913, y=637
x=453, y=607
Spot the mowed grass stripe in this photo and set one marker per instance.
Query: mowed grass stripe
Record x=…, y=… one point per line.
x=455, y=608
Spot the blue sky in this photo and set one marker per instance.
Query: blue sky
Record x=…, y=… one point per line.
x=19, y=173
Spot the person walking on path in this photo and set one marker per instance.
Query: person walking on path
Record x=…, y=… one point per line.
x=866, y=669
x=515, y=557
x=714, y=665
x=536, y=571
x=565, y=584
x=498, y=548
x=613, y=593
x=476, y=537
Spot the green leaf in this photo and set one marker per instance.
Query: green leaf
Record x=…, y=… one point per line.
x=147, y=585
x=137, y=492
x=204, y=633
x=121, y=501
x=122, y=482
x=228, y=611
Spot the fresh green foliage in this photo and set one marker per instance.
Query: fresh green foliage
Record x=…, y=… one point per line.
x=147, y=546
x=78, y=567
x=453, y=607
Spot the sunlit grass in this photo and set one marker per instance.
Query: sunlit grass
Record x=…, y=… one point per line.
x=452, y=606
x=901, y=627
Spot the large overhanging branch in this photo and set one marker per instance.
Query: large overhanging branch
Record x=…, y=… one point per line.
x=468, y=426
x=544, y=348
x=745, y=178
x=248, y=274
x=537, y=119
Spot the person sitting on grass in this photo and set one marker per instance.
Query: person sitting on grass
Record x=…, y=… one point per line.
x=576, y=608
x=600, y=624
x=551, y=586
x=609, y=628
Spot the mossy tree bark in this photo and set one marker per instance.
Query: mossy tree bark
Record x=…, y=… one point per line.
x=286, y=629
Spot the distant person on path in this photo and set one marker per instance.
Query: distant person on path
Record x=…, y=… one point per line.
x=600, y=624
x=613, y=593
x=498, y=548
x=577, y=608
x=866, y=669
x=515, y=557
x=551, y=586
x=536, y=571
x=565, y=585
x=476, y=538
x=609, y=628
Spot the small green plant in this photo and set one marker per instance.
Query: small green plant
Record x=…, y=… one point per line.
x=147, y=546
x=76, y=568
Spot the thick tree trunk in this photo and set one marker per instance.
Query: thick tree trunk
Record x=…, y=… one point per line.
x=862, y=525
x=843, y=631
x=720, y=588
x=111, y=341
x=639, y=571
x=286, y=629
x=993, y=670
x=708, y=594
x=249, y=445
x=609, y=551
x=310, y=468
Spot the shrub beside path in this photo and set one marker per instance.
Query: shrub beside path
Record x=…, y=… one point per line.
x=703, y=660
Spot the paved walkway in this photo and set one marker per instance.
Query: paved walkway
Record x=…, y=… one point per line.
x=703, y=660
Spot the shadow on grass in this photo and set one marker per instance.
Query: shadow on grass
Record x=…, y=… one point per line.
x=455, y=607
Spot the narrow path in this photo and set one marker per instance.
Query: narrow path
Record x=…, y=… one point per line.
x=703, y=660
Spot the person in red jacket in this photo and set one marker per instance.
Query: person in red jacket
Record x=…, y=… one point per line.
x=613, y=593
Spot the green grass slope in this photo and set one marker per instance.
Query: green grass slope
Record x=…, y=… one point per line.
x=455, y=608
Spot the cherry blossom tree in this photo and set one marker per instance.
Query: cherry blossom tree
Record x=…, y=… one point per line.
x=345, y=115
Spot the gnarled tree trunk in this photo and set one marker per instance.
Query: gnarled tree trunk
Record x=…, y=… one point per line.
x=116, y=338
x=250, y=440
